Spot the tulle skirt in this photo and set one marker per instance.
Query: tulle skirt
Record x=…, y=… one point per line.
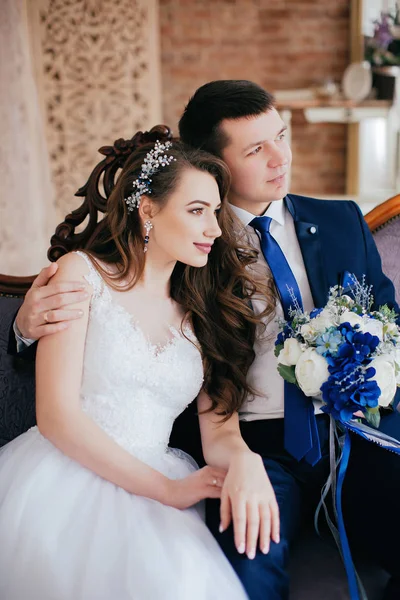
x=68, y=534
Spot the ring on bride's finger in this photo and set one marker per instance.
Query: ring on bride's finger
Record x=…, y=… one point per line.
x=46, y=317
x=214, y=482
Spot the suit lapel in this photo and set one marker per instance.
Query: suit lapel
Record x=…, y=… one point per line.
x=310, y=245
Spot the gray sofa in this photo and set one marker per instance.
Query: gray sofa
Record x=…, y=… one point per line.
x=316, y=569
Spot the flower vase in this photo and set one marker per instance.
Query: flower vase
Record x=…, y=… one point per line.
x=384, y=81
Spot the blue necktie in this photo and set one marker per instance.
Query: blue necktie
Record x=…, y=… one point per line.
x=301, y=434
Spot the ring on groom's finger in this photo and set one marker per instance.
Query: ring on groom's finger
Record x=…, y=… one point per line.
x=214, y=481
x=46, y=317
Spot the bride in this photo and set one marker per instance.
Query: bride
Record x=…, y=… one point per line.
x=93, y=503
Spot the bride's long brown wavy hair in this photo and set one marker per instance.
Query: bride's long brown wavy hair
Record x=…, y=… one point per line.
x=216, y=297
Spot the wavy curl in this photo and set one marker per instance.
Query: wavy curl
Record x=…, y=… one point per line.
x=216, y=297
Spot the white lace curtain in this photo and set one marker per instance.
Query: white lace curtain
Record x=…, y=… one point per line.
x=26, y=208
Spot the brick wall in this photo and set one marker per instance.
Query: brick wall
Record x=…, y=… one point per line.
x=280, y=44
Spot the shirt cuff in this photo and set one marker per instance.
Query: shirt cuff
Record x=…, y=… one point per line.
x=22, y=343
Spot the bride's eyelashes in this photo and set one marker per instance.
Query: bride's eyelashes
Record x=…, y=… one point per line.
x=200, y=211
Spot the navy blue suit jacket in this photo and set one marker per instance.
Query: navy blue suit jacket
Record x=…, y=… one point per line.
x=335, y=238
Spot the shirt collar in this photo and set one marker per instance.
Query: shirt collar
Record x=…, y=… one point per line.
x=276, y=210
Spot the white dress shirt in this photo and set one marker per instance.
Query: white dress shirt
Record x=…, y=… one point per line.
x=263, y=375
x=22, y=342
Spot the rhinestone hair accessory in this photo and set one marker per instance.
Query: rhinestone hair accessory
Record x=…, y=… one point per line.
x=154, y=160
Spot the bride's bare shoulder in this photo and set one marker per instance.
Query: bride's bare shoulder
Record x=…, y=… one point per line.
x=77, y=267
x=74, y=264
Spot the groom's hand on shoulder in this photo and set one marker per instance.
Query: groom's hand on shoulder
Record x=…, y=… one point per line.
x=45, y=308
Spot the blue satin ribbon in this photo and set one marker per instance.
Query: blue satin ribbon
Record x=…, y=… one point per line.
x=386, y=443
x=301, y=437
x=346, y=552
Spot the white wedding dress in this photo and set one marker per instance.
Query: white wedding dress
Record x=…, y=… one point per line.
x=68, y=534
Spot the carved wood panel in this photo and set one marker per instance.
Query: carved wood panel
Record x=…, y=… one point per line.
x=97, y=68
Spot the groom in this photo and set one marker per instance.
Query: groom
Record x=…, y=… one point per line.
x=308, y=244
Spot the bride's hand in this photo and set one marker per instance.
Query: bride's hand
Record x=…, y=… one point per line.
x=249, y=499
x=204, y=483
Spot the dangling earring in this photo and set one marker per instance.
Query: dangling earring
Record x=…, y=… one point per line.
x=148, y=225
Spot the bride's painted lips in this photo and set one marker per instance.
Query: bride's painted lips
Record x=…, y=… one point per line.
x=206, y=248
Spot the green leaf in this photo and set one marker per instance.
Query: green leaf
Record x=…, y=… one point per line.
x=388, y=313
x=288, y=373
x=278, y=348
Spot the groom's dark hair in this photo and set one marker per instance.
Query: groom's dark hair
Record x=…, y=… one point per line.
x=213, y=102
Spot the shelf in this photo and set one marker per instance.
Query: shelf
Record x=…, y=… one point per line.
x=354, y=114
x=301, y=103
x=337, y=111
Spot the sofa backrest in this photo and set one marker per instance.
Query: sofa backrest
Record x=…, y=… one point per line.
x=384, y=222
x=387, y=239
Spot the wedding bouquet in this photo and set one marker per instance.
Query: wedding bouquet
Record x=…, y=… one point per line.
x=345, y=354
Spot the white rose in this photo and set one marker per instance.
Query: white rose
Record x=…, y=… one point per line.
x=290, y=353
x=374, y=327
x=349, y=301
x=307, y=330
x=322, y=322
x=311, y=372
x=397, y=363
x=385, y=378
x=352, y=318
x=391, y=329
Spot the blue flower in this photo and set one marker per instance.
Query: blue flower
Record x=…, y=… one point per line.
x=349, y=389
x=358, y=346
x=348, y=330
x=366, y=394
x=337, y=403
x=328, y=342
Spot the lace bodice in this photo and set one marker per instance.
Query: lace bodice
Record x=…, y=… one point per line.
x=133, y=390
